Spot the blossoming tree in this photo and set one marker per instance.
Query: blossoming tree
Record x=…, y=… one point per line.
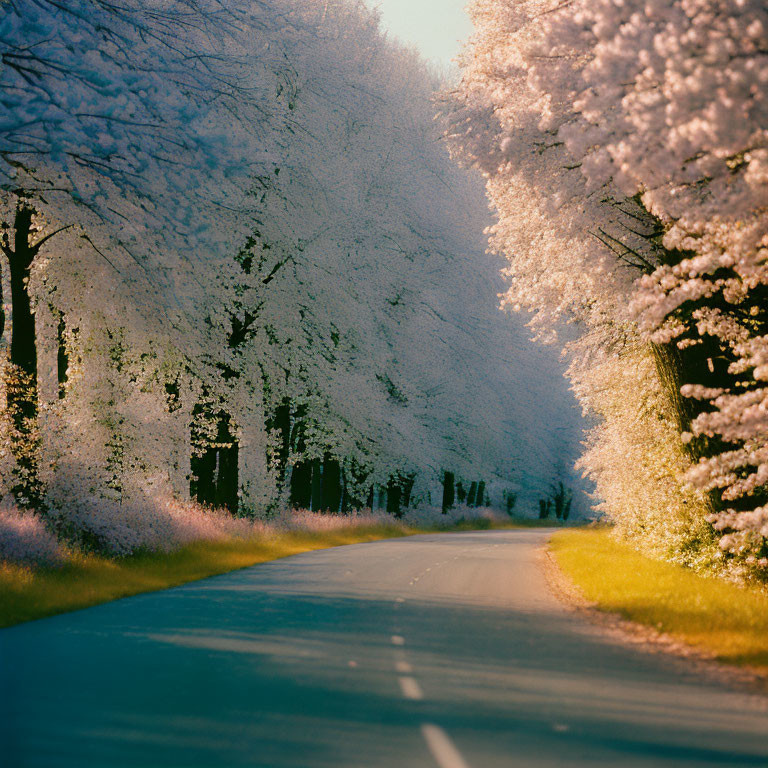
x=269, y=285
x=625, y=148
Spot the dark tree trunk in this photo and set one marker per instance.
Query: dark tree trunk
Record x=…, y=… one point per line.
x=559, y=500
x=301, y=485
x=394, y=494
x=23, y=341
x=317, y=485
x=227, y=481
x=301, y=476
x=707, y=362
x=344, y=492
x=331, y=493
x=408, y=483
x=280, y=423
x=202, y=463
x=461, y=493
x=2, y=302
x=62, y=357
x=480, y=498
x=669, y=366
x=215, y=468
x=472, y=495
x=202, y=485
x=449, y=495
x=22, y=396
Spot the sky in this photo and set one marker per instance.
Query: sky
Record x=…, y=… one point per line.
x=436, y=27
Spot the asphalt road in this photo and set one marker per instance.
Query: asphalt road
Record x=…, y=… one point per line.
x=443, y=651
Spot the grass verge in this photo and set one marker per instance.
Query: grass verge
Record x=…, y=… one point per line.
x=88, y=580
x=720, y=618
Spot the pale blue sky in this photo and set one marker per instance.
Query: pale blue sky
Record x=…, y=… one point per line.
x=437, y=27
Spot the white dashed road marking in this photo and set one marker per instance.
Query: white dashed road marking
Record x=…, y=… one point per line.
x=442, y=748
x=398, y=640
x=403, y=667
x=410, y=688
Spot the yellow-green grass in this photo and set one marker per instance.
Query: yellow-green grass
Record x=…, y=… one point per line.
x=88, y=580
x=718, y=617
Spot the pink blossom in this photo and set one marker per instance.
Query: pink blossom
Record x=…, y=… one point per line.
x=25, y=539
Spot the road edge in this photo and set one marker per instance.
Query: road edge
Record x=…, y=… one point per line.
x=645, y=638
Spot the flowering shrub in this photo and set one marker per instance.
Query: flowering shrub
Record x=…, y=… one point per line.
x=25, y=539
x=154, y=524
x=164, y=524
x=427, y=517
x=319, y=522
x=423, y=517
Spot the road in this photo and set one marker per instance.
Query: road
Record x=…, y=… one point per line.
x=437, y=651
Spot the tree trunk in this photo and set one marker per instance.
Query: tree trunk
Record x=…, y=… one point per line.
x=279, y=424
x=202, y=480
x=23, y=341
x=408, y=484
x=480, y=497
x=449, y=491
x=215, y=468
x=331, y=493
x=317, y=485
x=227, y=481
x=62, y=357
x=21, y=384
x=669, y=366
x=2, y=304
x=344, y=492
x=394, y=495
x=301, y=485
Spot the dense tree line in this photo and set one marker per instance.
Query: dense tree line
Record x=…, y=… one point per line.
x=243, y=269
